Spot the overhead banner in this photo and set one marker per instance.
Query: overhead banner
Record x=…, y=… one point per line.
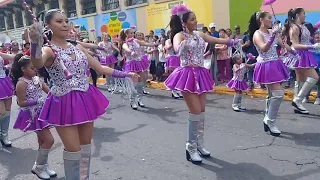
x=158, y=15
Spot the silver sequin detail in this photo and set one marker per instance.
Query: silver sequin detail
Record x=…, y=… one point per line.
x=192, y=52
x=34, y=93
x=239, y=75
x=135, y=47
x=271, y=54
x=77, y=67
x=108, y=47
x=2, y=69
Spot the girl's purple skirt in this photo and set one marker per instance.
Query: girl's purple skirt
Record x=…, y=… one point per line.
x=24, y=122
x=307, y=60
x=108, y=60
x=6, y=88
x=270, y=72
x=190, y=79
x=238, y=85
x=173, y=62
x=137, y=65
x=74, y=108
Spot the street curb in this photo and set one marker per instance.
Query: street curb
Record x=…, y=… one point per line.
x=261, y=93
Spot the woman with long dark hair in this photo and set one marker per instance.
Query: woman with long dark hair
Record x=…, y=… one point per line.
x=72, y=104
x=299, y=38
x=269, y=70
x=192, y=78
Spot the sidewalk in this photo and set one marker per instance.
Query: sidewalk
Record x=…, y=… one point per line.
x=222, y=89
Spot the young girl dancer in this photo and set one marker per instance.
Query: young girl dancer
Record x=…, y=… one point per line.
x=6, y=93
x=143, y=51
x=135, y=62
x=300, y=40
x=192, y=78
x=237, y=83
x=72, y=104
x=173, y=61
x=30, y=99
x=269, y=69
x=108, y=59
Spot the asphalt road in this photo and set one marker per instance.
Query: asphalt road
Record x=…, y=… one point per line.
x=150, y=143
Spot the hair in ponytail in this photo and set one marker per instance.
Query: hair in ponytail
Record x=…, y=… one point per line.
x=176, y=24
x=292, y=16
x=122, y=38
x=254, y=23
x=19, y=62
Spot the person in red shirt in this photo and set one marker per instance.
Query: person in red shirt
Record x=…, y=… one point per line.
x=26, y=50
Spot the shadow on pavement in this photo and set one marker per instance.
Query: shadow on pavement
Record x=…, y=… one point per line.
x=106, y=134
x=305, y=139
x=26, y=157
x=164, y=114
x=247, y=171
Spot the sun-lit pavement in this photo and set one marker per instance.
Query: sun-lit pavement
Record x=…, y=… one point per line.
x=150, y=143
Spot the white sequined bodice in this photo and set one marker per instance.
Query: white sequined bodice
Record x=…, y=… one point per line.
x=271, y=54
x=34, y=88
x=191, y=54
x=108, y=49
x=305, y=36
x=2, y=69
x=142, y=50
x=239, y=75
x=77, y=67
x=135, y=47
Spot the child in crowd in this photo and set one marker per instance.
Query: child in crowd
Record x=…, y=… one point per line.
x=238, y=83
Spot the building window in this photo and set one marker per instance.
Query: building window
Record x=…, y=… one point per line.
x=108, y=5
x=28, y=17
x=71, y=8
x=135, y=2
x=2, y=23
x=40, y=7
x=54, y=4
x=19, y=19
x=88, y=7
x=10, y=21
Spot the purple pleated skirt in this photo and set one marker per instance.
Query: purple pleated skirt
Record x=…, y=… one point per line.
x=6, y=88
x=270, y=72
x=190, y=79
x=137, y=65
x=173, y=62
x=108, y=60
x=25, y=122
x=307, y=60
x=238, y=85
x=146, y=62
x=74, y=108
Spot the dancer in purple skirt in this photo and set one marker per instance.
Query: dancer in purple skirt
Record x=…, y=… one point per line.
x=108, y=59
x=6, y=93
x=135, y=62
x=72, y=104
x=173, y=61
x=237, y=83
x=29, y=90
x=269, y=69
x=192, y=78
x=140, y=37
x=300, y=40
